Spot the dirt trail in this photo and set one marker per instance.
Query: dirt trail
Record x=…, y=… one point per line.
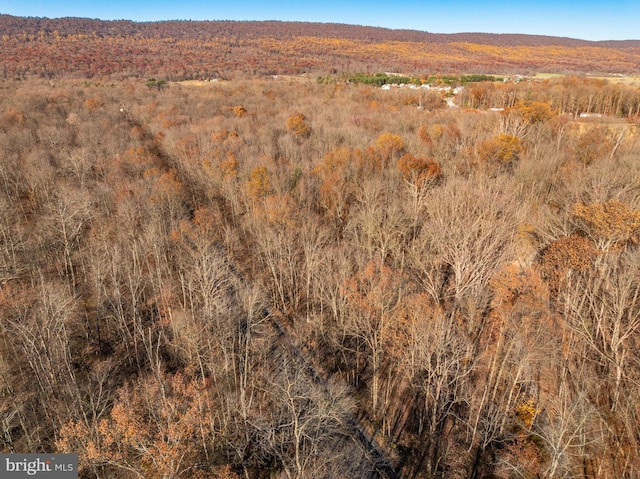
x=372, y=462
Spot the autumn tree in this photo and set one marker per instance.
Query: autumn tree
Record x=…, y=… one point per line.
x=563, y=257
x=336, y=188
x=419, y=174
x=389, y=145
x=518, y=120
x=258, y=184
x=153, y=431
x=503, y=150
x=297, y=124
x=417, y=170
x=239, y=111
x=592, y=146
x=609, y=223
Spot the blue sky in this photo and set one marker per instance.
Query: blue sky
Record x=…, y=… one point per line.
x=585, y=19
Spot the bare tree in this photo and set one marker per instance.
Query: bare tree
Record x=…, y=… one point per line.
x=441, y=362
x=378, y=224
x=372, y=296
x=41, y=332
x=70, y=210
x=306, y=419
x=602, y=305
x=468, y=237
x=568, y=427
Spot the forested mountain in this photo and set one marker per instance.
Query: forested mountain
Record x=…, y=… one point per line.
x=188, y=49
x=206, y=30
x=312, y=276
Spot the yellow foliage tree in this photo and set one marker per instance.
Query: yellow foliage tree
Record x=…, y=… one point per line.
x=229, y=166
x=239, y=111
x=535, y=112
x=527, y=412
x=259, y=183
x=297, y=124
x=389, y=145
x=502, y=150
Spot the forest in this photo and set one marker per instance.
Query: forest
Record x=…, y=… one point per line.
x=186, y=50
x=280, y=277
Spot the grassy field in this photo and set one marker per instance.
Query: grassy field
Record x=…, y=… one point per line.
x=627, y=80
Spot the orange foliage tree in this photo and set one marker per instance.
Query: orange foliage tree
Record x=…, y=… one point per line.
x=417, y=170
x=157, y=430
x=592, y=146
x=566, y=254
x=335, y=192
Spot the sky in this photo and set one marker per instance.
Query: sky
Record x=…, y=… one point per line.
x=583, y=19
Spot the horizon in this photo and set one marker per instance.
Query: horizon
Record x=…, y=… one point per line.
x=593, y=20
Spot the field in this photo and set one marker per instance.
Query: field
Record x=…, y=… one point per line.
x=623, y=79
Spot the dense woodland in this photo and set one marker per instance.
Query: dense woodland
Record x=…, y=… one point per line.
x=287, y=278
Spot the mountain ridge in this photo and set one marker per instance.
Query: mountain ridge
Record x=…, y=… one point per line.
x=185, y=49
x=150, y=29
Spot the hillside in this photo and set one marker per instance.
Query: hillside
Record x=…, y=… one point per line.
x=177, y=50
